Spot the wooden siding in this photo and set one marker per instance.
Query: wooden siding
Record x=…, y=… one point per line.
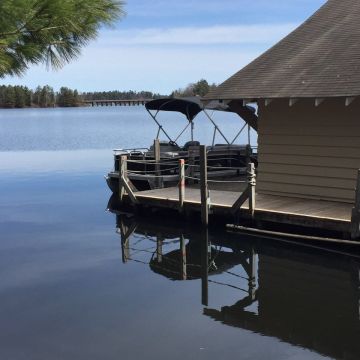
x=307, y=151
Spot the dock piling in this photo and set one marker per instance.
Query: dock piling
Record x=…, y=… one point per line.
x=125, y=185
x=159, y=182
x=205, y=267
x=122, y=174
x=204, y=186
x=181, y=184
x=183, y=257
x=251, y=184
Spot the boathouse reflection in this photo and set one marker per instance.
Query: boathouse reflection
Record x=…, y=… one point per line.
x=303, y=298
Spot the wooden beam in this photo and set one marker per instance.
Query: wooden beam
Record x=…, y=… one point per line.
x=159, y=242
x=240, y=201
x=122, y=174
x=252, y=275
x=237, y=107
x=183, y=257
x=181, y=184
x=204, y=267
x=204, y=186
x=157, y=156
x=252, y=184
x=126, y=186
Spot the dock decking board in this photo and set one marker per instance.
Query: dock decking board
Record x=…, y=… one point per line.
x=323, y=214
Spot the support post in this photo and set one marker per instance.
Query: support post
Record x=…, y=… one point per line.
x=191, y=162
x=248, y=151
x=126, y=233
x=158, y=180
x=252, y=275
x=181, y=184
x=251, y=184
x=204, y=267
x=125, y=185
x=204, y=186
x=183, y=257
x=122, y=175
x=355, y=214
x=159, y=242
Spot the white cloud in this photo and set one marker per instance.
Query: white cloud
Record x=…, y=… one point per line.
x=160, y=60
x=210, y=35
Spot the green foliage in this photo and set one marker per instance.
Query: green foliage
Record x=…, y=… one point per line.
x=44, y=96
x=67, y=97
x=50, y=31
x=21, y=96
x=119, y=95
x=200, y=88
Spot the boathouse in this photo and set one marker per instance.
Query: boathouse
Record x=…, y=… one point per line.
x=307, y=89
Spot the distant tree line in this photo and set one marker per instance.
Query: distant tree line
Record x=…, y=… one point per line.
x=45, y=96
x=22, y=96
x=200, y=88
x=119, y=95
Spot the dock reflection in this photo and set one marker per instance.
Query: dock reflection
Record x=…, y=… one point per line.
x=300, y=296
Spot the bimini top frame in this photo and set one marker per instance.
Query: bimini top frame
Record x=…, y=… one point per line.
x=190, y=107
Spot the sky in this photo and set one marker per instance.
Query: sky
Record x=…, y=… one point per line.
x=162, y=45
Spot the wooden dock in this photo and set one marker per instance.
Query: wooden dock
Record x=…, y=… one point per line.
x=236, y=199
x=295, y=211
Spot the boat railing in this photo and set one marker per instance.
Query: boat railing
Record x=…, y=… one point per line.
x=187, y=174
x=142, y=150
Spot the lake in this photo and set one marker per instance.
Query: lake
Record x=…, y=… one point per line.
x=81, y=282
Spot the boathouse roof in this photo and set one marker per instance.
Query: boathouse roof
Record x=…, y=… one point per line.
x=321, y=58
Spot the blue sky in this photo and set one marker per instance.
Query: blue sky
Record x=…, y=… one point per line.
x=162, y=45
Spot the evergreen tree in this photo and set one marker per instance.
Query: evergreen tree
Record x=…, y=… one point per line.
x=201, y=88
x=9, y=98
x=37, y=96
x=65, y=97
x=19, y=97
x=50, y=31
x=76, y=98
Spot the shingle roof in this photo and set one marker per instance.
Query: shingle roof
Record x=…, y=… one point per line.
x=321, y=58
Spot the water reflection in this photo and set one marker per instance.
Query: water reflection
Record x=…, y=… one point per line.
x=297, y=295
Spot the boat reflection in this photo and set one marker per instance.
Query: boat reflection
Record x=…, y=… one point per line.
x=301, y=296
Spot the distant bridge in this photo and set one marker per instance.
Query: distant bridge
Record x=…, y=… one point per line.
x=134, y=102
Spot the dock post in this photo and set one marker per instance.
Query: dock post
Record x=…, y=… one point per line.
x=159, y=242
x=248, y=154
x=191, y=168
x=252, y=275
x=355, y=214
x=181, y=184
x=251, y=185
x=122, y=175
x=157, y=163
x=183, y=257
x=205, y=267
x=204, y=186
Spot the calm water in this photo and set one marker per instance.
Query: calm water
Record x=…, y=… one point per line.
x=79, y=282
